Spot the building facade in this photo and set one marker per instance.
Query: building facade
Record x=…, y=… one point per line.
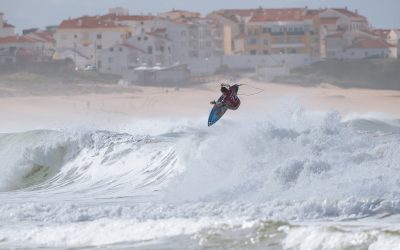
x=87, y=36
x=6, y=29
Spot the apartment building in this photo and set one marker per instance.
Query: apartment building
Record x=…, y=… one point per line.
x=17, y=49
x=393, y=38
x=339, y=28
x=233, y=22
x=86, y=36
x=6, y=29
x=137, y=23
x=193, y=38
x=148, y=48
x=119, y=58
x=177, y=14
x=282, y=31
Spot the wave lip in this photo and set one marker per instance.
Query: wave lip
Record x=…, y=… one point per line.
x=94, y=164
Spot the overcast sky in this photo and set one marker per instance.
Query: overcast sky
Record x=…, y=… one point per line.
x=40, y=13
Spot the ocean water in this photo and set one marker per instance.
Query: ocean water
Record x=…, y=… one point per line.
x=287, y=178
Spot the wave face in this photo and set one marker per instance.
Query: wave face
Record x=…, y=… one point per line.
x=295, y=165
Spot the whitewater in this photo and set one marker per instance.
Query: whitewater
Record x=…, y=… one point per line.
x=287, y=178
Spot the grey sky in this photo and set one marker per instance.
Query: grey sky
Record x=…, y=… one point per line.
x=40, y=13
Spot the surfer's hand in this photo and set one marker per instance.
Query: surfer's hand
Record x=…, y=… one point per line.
x=213, y=102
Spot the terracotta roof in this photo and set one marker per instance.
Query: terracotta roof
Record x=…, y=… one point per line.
x=43, y=36
x=370, y=44
x=287, y=14
x=88, y=22
x=328, y=20
x=15, y=39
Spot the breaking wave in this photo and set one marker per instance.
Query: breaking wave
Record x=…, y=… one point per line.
x=295, y=164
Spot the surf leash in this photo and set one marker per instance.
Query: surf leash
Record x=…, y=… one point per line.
x=260, y=90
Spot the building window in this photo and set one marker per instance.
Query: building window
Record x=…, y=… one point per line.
x=111, y=49
x=139, y=38
x=145, y=38
x=120, y=49
x=162, y=48
x=150, y=50
x=75, y=36
x=253, y=52
x=265, y=30
x=265, y=52
x=266, y=42
x=253, y=41
x=99, y=47
x=99, y=36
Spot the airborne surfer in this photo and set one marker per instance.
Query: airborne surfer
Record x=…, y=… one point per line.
x=230, y=99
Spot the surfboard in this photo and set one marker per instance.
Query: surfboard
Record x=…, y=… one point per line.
x=216, y=113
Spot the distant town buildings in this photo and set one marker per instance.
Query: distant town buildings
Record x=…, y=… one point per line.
x=118, y=42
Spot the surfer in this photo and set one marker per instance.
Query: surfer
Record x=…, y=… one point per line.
x=230, y=99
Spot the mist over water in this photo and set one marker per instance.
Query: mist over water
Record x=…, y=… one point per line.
x=245, y=182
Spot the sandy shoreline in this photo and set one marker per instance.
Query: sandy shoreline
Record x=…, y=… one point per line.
x=155, y=102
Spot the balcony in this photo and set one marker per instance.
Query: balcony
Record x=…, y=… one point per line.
x=287, y=45
x=278, y=33
x=296, y=33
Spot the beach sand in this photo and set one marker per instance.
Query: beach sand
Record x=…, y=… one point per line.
x=55, y=110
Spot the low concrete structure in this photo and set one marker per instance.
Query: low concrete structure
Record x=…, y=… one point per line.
x=177, y=74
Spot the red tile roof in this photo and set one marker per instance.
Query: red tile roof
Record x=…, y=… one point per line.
x=328, y=20
x=370, y=44
x=287, y=14
x=43, y=36
x=88, y=22
x=15, y=39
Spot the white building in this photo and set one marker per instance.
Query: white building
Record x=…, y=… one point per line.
x=10, y=46
x=367, y=48
x=393, y=38
x=120, y=58
x=148, y=49
x=137, y=23
x=157, y=46
x=193, y=38
x=6, y=29
x=339, y=23
x=88, y=35
x=45, y=44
